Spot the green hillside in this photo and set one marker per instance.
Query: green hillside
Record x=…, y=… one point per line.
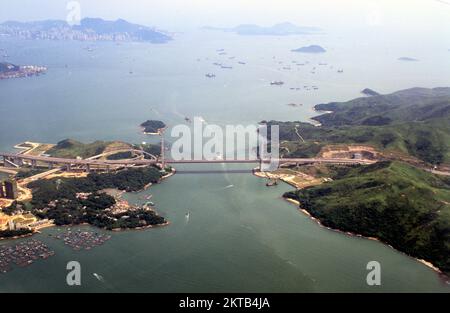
x=410, y=105
x=70, y=148
x=395, y=202
x=428, y=141
x=414, y=121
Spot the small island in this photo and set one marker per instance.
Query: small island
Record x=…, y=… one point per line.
x=153, y=127
x=9, y=70
x=408, y=59
x=310, y=49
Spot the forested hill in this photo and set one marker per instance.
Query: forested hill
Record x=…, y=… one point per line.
x=410, y=105
x=413, y=122
x=395, y=202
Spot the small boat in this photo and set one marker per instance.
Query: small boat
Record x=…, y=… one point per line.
x=276, y=83
x=210, y=75
x=99, y=277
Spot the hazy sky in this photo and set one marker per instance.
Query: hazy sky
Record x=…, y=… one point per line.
x=402, y=15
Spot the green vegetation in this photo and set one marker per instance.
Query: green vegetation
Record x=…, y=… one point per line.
x=71, y=149
x=4, y=234
x=410, y=105
x=25, y=173
x=395, y=202
x=16, y=207
x=129, y=180
x=414, y=122
x=120, y=155
x=152, y=126
x=57, y=199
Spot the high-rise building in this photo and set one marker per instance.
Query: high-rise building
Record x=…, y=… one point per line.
x=2, y=192
x=9, y=189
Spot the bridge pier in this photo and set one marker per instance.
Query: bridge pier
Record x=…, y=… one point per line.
x=9, y=162
x=33, y=164
x=18, y=161
x=88, y=168
x=163, y=161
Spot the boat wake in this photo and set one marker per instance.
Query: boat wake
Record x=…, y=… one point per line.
x=99, y=277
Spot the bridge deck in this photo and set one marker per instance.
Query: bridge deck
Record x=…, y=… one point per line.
x=87, y=162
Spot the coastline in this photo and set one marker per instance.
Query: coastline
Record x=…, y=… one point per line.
x=159, y=132
x=118, y=196
x=116, y=230
x=313, y=120
x=18, y=237
x=351, y=234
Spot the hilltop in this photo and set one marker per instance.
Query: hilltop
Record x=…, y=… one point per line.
x=72, y=149
x=394, y=202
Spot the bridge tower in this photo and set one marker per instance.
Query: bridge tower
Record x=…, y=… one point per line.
x=163, y=161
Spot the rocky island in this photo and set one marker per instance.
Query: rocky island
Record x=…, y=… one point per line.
x=310, y=49
x=153, y=127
